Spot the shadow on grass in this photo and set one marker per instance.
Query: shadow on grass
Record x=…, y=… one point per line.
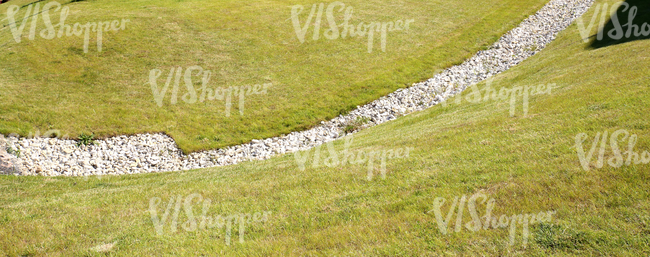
x=630, y=23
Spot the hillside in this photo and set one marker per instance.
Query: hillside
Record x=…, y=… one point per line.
x=66, y=83
x=526, y=163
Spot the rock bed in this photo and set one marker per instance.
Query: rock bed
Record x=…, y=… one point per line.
x=158, y=153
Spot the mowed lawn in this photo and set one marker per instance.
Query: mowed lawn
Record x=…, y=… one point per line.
x=51, y=84
x=527, y=164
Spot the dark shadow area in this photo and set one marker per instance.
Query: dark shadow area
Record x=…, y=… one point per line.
x=631, y=23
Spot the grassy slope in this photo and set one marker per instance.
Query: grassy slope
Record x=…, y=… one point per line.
x=528, y=164
x=52, y=84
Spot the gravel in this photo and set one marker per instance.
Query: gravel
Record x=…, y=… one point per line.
x=146, y=153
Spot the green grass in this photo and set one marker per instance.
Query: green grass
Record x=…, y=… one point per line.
x=527, y=164
x=52, y=84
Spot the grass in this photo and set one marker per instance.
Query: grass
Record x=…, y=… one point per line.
x=53, y=84
x=527, y=164
x=85, y=139
x=357, y=124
